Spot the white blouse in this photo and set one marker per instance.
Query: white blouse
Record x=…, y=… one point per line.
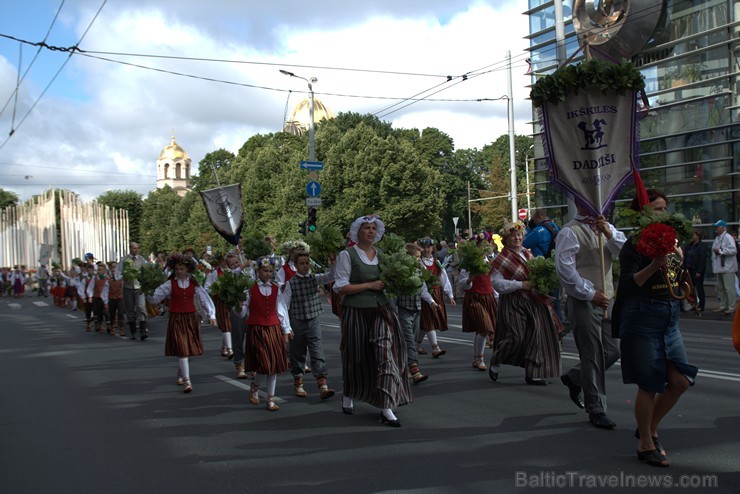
x=344, y=266
x=165, y=290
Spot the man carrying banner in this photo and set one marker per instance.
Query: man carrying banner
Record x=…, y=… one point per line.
x=134, y=303
x=579, y=268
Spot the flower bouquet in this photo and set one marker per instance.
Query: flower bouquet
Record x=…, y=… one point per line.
x=231, y=287
x=400, y=272
x=472, y=258
x=150, y=277
x=542, y=275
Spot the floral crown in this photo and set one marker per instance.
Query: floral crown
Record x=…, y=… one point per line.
x=264, y=262
x=292, y=245
x=425, y=241
x=509, y=228
x=176, y=259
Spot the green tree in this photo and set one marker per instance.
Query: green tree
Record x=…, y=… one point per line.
x=132, y=202
x=220, y=160
x=8, y=198
x=156, y=221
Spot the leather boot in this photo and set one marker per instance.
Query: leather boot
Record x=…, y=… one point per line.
x=324, y=390
x=298, y=387
x=416, y=375
x=240, y=374
x=121, y=329
x=132, y=329
x=143, y=331
x=87, y=325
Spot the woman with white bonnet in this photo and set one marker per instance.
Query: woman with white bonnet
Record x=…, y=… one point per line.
x=373, y=351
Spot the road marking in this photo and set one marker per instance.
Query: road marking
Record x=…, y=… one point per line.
x=71, y=316
x=40, y=304
x=243, y=386
x=14, y=306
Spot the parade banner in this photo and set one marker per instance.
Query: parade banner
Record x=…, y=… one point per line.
x=224, y=208
x=590, y=141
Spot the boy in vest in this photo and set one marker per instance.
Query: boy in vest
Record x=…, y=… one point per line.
x=98, y=291
x=409, y=316
x=304, y=307
x=579, y=267
x=87, y=288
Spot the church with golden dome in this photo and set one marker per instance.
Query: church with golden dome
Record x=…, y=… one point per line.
x=300, y=117
x=173, y=168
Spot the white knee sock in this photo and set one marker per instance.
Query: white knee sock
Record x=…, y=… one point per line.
x=479, y=345
x=271, y=382
x=185, y=368
x=347, y=402
x=432, y=336
x=227, y=340
x=388, y=413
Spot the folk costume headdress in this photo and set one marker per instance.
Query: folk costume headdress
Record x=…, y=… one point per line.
x=512, y=227
x=357, y=224
x=176, y=259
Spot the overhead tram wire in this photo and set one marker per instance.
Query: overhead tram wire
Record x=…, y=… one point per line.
x=85, y=170
x=14, y=94
x=71, y=52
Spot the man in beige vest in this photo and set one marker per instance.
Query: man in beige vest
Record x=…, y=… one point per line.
x=134, y=304
x=579, y=268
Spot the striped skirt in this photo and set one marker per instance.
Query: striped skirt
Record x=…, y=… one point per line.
x=526, y=336
x=374, y=361
x=222, y=315
x=264, y=351
x=183, y=335
x=479, y=314
x=434, y=318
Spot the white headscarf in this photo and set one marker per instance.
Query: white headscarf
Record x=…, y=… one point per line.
x=357, y=224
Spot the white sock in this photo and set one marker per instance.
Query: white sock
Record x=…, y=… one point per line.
x=347, y=402
x=185, y=368
x=388, y=413
x=479, y=345
x=271, y=382
x=432, y=336
x=227, y=340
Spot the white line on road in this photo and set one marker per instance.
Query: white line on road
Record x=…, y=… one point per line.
x=243, y=386
x=71, y=316
x=40, y=304
x=14, y=306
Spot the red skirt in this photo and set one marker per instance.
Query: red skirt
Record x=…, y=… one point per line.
x=222, y=315
x=183, y=335
x=434, y=318
x=265, y=350
x=479, y=314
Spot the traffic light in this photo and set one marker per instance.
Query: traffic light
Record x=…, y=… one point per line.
x=311, y=219
x=302, y=228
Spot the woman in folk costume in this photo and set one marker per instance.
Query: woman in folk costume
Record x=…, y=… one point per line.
x=58, y=286
x=479, y=312
x=17, y=281
x=183, y=327
x=267, y=332
x=527, y=328
x=222, y=311
x=373, y=350
x=434, y=315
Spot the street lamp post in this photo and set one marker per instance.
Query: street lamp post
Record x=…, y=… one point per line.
x=526, y=175
x=311, y=142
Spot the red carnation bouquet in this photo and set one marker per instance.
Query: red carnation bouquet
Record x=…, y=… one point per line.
x=656, y=240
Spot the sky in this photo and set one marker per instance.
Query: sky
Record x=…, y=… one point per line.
x=101, y=124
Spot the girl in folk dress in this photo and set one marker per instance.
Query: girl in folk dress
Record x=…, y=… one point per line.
x=527, y=327
x=183, y=327
x=479, y=312
x=374, y=360
x=267, y=332
x=434, y=315
x=17, y=280
x=229, y=263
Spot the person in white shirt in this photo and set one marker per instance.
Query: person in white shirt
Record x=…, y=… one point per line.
x=577, y=262
x=724, y=264
x=183, y=326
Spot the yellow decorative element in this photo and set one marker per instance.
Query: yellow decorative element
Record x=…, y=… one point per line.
x=173, y=151
x=300, y=117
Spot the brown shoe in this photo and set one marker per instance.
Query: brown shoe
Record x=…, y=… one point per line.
x=298, y=389
x=478, y=363
x=416, y=375
x=271, y=405
x=438, y=352
x=188, y=387
x=254, y=394
x=325, y=391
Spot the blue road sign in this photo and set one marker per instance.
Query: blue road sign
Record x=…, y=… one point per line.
x=313, y=189
x=312, y=165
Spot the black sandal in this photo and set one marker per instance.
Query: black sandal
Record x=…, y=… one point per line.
x=656, y=443
x=653, y=457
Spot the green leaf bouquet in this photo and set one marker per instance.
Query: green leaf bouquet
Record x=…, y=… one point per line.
x=400, y=272
x=231, y=287
x=472, y=258
x=542, y=275
x=150, y=277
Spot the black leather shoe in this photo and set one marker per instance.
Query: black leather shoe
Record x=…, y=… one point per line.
x=535, y=382
x=348, y=410
x=391, y=423
x=601, y=421
x=493, y=374
x=576, y=396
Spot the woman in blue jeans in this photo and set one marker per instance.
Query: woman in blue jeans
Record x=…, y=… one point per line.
x=653, y=354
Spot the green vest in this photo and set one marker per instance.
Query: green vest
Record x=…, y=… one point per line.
x=363, y=273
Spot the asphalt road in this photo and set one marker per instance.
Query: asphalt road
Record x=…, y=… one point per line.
x=87, y=413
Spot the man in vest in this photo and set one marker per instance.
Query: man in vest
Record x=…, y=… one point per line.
x=42, y=274
x=134, y=302
x=724, y=264
x=578, y=265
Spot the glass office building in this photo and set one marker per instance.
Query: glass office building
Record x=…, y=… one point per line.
x=690, y=138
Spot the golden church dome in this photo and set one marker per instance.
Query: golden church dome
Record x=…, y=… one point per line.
x=173, y=151
x=300, y=117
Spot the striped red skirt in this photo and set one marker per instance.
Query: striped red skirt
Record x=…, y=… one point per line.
x=479, y=314
x=183, y=335
x=264, y=351
x=222, y=315
x=434, y=318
